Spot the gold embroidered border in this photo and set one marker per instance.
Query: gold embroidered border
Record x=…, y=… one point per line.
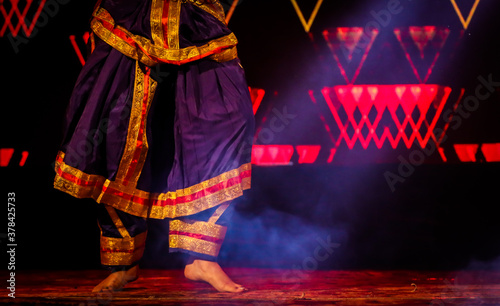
x=198, y=227
x=156, y=25
x=194, y=245
x=63, y=167
x=217, y=11
x=180, y=236
x=174, y=14
x=141, y=104
x=121, y=45
x=122, y=251
x=143, y=50
x=225, y=56
x=152, y=84
x=98, y=190
x=134, y=125
x=121, y=259
x=218, y=212
x=124, y=244
x=173, y=211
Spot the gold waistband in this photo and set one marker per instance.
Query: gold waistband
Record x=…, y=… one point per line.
x=225, y=56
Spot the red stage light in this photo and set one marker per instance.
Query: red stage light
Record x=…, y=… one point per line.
x=256, y=94
x=420, y=36
x=23, y=158
x=422, y=46
x=77, y=49
x=491, y=152
x=20, y=16
x=363, y=107
x=343, y=43
x=308, y=154
x=332, y=155
x=272, y=155
x=5, y=156
x=72, y=39
x=466, y=152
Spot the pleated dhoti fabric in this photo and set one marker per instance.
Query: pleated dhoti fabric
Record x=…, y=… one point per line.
x=169, y=140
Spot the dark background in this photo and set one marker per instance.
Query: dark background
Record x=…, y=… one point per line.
x=443, y=216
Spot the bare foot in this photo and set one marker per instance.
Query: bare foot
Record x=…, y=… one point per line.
x=117, y=280
x=212, y=273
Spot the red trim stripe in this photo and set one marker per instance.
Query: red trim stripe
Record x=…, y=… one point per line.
x=164, y=22
x=180, y=200
x=139, y=144
x=198, y=236
x=76, y=180
x=155, y=202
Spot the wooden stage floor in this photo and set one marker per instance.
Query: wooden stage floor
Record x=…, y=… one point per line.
x=266, y=287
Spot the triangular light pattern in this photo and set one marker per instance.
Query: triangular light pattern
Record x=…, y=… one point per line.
x=422, y=47
x=350, y=47
x=307, y=25
x=465, y=22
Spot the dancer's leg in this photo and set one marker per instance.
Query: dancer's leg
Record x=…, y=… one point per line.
x=202, y=239
x=122, y=242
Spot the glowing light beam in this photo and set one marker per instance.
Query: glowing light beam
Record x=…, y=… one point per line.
x=465, y=23
x=307, y=25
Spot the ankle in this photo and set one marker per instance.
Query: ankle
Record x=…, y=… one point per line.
x=199, y=259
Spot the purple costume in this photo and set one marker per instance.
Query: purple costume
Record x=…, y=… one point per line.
x=159, y=125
